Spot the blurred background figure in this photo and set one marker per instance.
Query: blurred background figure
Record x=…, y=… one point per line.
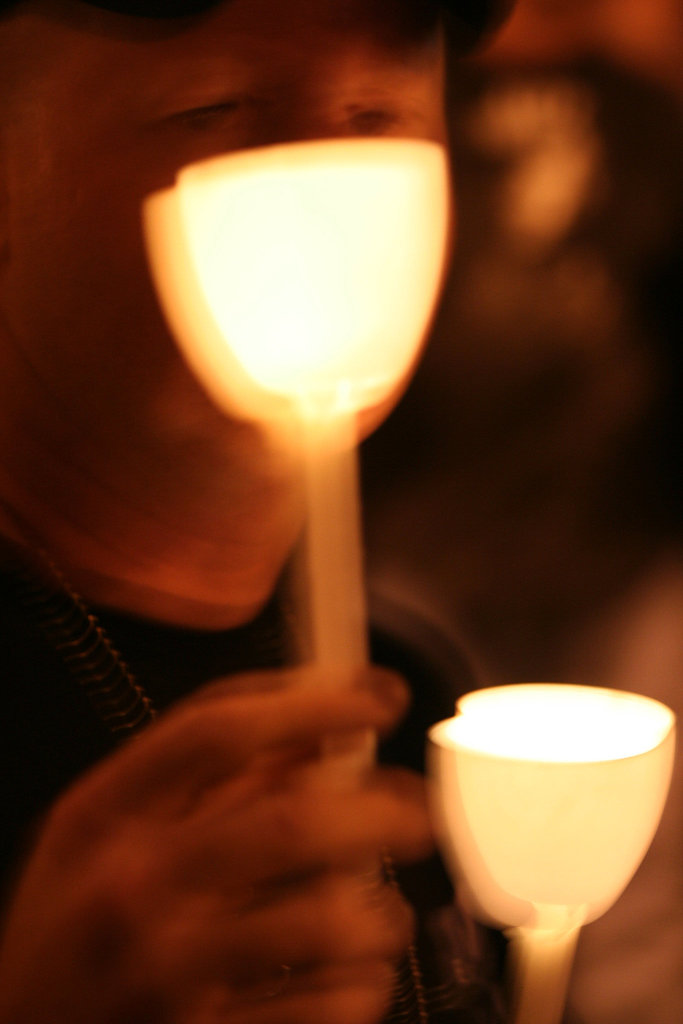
x=525, y=496
x=643, y=36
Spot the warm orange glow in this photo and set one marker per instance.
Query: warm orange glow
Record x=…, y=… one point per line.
x=552, y=722
x=547, y=798
x=307, y=271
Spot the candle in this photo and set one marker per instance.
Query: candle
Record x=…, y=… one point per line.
x=546, y=799
x=300, y=281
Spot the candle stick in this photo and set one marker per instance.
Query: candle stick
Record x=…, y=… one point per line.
x=331, y=578
x=541, y=962
x=333, y=560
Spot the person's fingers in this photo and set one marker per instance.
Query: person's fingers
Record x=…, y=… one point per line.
x=223, y=733
x=296, y=830
x=361, y=995
x=329, y=921
x=305, y=704
x=198, y=745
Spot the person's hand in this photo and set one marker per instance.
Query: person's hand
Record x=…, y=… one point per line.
x=198, y=876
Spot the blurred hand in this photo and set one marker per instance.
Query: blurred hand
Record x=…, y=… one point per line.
x=197, y=876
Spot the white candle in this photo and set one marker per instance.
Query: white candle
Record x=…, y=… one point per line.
x=300, y=281
x=546, y=798
x=541, y=962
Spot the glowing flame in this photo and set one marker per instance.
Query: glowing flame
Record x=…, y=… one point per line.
x=305, y=271
x=558, y=723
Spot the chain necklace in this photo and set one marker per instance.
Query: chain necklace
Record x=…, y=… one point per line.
x=91, y=660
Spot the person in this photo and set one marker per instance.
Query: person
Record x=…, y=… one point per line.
x=167, y=858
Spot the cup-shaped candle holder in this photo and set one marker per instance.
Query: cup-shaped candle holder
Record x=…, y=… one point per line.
x=307, y=271
x=546, y=798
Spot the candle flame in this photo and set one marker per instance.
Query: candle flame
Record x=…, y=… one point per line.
x=303, y=271
x=558, y=723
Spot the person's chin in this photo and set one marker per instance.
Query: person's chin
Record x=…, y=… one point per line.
x=191, y=608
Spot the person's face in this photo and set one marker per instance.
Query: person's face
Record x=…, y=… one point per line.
x=150, y=497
